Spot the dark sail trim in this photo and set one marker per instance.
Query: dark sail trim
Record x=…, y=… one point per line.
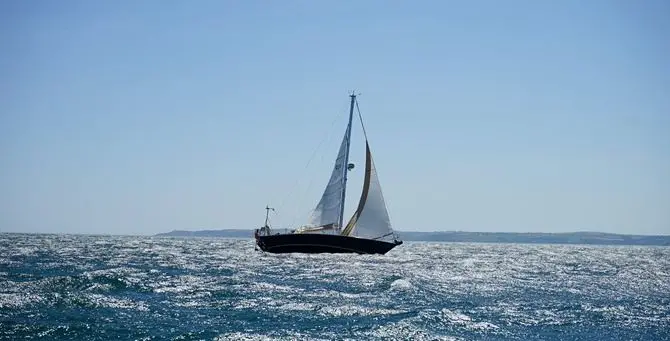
x=364, y=194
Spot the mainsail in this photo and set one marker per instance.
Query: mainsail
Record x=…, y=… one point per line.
x=328, y=210
x=371, y=218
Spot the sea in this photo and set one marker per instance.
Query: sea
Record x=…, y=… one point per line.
x=78, y=287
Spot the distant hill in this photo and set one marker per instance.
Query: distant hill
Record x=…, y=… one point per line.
x=596, y=238
x=592, y=238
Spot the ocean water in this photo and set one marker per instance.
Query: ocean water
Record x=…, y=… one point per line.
x=63, y=287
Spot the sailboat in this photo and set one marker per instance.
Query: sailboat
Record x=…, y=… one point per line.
x=368, y=230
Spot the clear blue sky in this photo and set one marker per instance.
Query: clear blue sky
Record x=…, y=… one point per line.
x=138, y=117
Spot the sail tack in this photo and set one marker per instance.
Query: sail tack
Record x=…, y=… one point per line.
x=327, y=211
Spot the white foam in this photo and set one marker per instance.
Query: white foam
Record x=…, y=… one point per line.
x=401, y=284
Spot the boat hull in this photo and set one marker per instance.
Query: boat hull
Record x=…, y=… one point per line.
x=322, y=243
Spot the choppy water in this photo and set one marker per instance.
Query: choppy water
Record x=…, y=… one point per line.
x=102, y=288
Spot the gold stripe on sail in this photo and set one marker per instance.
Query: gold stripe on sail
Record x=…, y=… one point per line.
x=364, y=194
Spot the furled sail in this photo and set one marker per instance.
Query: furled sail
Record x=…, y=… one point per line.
x=327, y=211
x=371, y=219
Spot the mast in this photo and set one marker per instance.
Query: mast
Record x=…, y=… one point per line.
x=346, y=158
x=267, y=214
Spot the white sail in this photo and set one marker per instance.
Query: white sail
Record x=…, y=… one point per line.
x=327, y=211
x=374, y=221
x=371, y=219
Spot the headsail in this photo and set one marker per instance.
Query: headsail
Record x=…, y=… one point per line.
x=371, y=218
x=328, y=209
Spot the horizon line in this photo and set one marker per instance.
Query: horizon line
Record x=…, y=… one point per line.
x=397, y=231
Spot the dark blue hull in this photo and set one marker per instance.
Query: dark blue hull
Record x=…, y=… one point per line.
x=322, y=243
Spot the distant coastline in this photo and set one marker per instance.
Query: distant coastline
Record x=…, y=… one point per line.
x=588, y=238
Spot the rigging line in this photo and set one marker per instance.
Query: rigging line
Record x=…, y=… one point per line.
x=361, y=119
x=311, y=158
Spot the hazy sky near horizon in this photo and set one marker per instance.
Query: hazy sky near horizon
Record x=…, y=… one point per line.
x=139, y=117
